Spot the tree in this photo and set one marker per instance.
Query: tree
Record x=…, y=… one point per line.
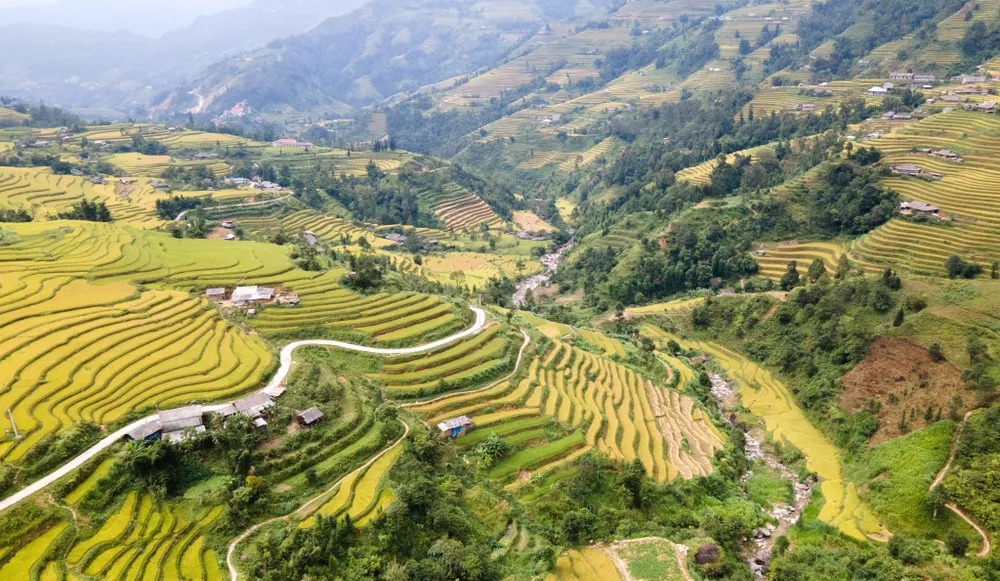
x=790, y=279
x=956, y=542
x=936, y=353
x=491, y=450
x=995, y=270
x=816, y=269
x=898, y=320
x=745, y=47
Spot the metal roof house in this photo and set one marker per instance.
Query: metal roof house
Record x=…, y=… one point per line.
x=215, y=293
x=310, y=238
x=253, y=405
x=456, y=427
x=181, y=419
x=146, y=431
x=251, y=294
x=310, y=416
x=181, y=435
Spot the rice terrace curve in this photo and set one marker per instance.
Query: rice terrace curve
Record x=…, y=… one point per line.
x=279, y=377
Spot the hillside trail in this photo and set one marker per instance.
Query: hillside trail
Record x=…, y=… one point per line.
x=303, y=510
x=517, y=365
x=985, y=548
x=272, y=389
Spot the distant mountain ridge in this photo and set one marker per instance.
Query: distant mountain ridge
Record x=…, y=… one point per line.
x=382, y=49
x=75, y=67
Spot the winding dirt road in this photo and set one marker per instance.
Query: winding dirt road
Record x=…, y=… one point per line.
x=985, y=548
x=270, y=389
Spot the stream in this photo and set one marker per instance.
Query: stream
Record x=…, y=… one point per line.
x=551, y=264
x=786, y=514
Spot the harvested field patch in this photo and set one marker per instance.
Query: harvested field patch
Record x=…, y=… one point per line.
x=901, y=376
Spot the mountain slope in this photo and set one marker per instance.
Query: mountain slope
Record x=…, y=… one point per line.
x=382, y=49
x=84, y=67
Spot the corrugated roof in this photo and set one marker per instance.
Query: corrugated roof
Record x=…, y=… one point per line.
x=454, y=423
x=185, y=417
x=311, y=415
x=145, y=430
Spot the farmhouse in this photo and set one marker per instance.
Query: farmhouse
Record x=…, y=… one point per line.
x=180, y=419
x=251, y=294
x=76, y=172
x=216, y=294
x=127, y=181
x=292, y=144
x=395, y=238
x=310, y=238
x=968, y=79
x=310, y=417
x=251, y=406
x=877, y=91
x=204, y=155
x=146, y=431
x=918, y=207
x=228, y=224
x=807, y=107
x=924, y=78
x=908, y=169
x=901, y=76
x=946, y=154
x=98, y=181
x=985, y=107
x=455, y=427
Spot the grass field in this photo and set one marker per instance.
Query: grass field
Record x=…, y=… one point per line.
x=900, y=472
x=608, y=407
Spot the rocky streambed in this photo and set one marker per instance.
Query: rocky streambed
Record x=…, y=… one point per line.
x=551, y=263
x=759, y=547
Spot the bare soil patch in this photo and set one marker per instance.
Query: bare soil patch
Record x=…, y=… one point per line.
x=905, y=380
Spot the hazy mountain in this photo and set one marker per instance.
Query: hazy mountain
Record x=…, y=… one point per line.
x=146, y=17
x=84, y=67
x=386, y=47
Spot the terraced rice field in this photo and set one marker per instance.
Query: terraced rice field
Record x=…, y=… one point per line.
x=785, y=99
x=146, y=539
x=770, y=399
x=76, y=351
x=588, y=564
x=775, y=261
x=610, y=407
x=459, y=208
x=362, y=494
x=44, y=194
x=954, y=27
x=142, y=540
x=487, y=354
x=85, y=345
x=326, y=228
x=574, y=53
x=544, y=158
x=968, y=191
x=700, y=174
x=588, y=157
x=81, y=489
